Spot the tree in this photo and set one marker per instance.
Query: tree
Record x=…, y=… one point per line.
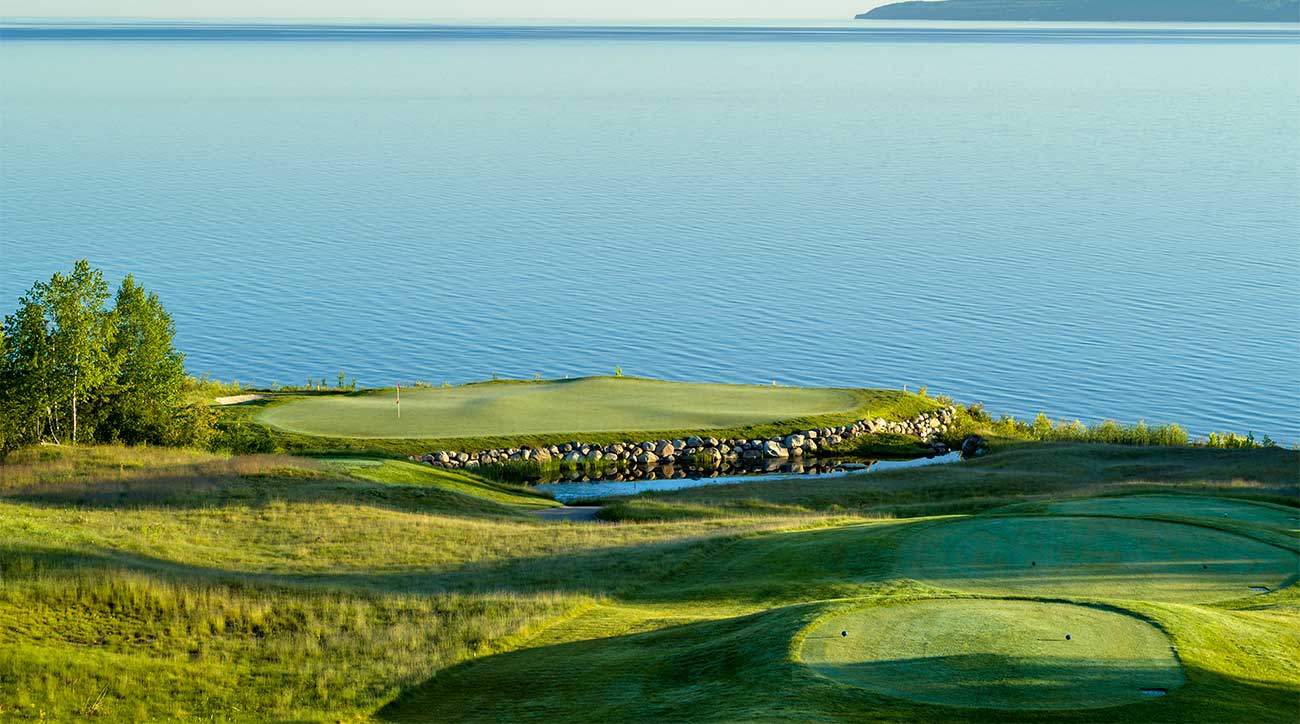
x=80, y=334
x=8, y=439
x=149, y=386
x=27, y=372
x=71, y=368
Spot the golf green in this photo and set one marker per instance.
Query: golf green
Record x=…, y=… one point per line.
x=1094, y=557
x=995, y=654
x=583, y=405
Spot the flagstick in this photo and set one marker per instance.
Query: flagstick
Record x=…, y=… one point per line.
x=399, y=400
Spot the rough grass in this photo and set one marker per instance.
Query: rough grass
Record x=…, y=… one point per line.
x=145, y=585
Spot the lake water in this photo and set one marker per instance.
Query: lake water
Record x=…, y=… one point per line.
x=1094, y=222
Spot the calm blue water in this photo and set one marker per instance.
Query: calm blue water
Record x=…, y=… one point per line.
x=1095, y=222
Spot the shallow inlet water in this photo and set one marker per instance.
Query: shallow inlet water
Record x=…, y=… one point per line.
x=1093, y=222
x=678, y=479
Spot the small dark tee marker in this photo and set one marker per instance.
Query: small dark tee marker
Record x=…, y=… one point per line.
x=844, y=633
x=1067, y=637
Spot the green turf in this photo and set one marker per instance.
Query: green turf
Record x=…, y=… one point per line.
x=1216, y=510
x=995, y=654
x=1096, y=557
x=566, y=406
x=148, y=585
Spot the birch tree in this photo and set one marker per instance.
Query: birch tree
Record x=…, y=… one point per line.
x=80, y=335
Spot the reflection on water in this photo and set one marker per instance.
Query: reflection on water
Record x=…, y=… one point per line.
x=579, y=485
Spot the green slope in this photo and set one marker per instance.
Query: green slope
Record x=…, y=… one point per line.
x=155, y=585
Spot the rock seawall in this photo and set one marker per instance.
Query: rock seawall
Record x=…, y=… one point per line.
x=698, y=450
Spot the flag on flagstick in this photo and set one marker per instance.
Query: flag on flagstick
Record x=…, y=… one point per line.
x=399, y=400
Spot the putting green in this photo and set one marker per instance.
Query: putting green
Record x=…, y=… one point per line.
x=584, y=405
x=995, y=654
x=1094, y=557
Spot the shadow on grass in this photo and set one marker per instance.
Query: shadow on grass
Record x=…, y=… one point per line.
x=596, y=572
x=1004, y=682
x=182, y=489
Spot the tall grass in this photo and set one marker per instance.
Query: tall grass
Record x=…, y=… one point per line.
x=187, y=650
x=144, y=584
x=974, y=419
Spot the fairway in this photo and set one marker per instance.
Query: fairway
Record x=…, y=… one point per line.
x=1211, y=510
x=1094, y=557
x=584, y=405
x=995, y=654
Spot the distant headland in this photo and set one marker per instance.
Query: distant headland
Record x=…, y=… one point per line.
x=1092, y=10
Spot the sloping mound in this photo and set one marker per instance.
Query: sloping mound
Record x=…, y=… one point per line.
x=1216, y=511
x=995, y=654
x=1094, y=557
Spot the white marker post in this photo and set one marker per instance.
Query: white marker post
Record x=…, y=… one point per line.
x=399, y=400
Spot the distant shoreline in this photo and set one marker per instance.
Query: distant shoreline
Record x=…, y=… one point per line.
x=1117, y=11
x=1090, y=30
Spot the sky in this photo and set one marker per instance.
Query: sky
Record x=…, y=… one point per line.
x=442, y=9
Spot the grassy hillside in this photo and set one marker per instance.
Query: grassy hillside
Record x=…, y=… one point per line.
x=149, y=585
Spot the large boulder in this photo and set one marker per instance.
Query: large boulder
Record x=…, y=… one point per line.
x=773, y=449
x=709, y=456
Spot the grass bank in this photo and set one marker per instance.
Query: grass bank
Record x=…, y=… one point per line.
x=163, y=585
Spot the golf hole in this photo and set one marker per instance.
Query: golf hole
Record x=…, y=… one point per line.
x=1003, y=654
x=1259, y=589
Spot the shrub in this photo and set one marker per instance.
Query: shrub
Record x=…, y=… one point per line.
x=240, y=438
